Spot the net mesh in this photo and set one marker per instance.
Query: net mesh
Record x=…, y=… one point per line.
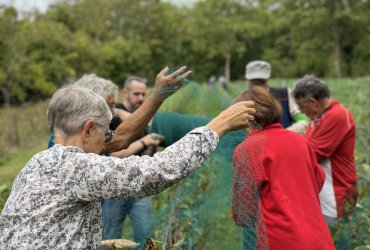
x=198, y=213
x=247, y=184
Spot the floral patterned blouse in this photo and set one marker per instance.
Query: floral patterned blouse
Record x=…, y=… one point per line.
x=55, y=199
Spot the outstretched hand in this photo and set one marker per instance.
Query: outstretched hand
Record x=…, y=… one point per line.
x=237, y=116
x=166, y=85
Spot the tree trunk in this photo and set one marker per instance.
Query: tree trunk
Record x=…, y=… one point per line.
x=227, y=67
x=335, y=35
x=336, y=52
x=6, y=96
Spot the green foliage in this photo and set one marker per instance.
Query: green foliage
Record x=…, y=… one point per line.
x=354, y=231
x=128, y=54
x=117, y=38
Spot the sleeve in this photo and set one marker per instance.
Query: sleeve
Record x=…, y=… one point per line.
x=318, y=171
x=299, y=127
x=97, y=177
x=300, y=120
x=294, y=110
x=248, y=178
x=328, y=136
x=239, y=192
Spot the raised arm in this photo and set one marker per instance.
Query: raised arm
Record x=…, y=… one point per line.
x=165, y=86
x=97, y=177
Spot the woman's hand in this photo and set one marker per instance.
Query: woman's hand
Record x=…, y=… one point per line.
x=237, y=116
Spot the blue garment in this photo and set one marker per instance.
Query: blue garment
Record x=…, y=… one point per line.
x=115, y=211
x=51, y=141
x=340, y=241
x=330, y=221
x=281, y=94
x=114, y=215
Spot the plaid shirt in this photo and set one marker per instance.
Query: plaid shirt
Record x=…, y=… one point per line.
x=55, y=199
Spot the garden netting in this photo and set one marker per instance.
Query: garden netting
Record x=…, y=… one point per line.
x=196, y=213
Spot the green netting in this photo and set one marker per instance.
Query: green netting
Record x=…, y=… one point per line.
x=173, y=126
x=195, y=214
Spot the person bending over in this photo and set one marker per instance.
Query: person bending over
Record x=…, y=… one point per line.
x=276, y=185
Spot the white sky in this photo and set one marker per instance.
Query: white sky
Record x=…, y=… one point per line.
x=42, y=5
x=26, y=5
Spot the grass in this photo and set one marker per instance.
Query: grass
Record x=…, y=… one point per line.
x=23, y=133
x=11, y=165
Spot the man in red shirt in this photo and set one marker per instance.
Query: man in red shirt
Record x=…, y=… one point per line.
x=332, y=136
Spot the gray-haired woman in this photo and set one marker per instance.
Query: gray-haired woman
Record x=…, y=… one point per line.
x=55, y=199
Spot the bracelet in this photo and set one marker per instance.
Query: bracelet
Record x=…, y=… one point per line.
x=142, y=141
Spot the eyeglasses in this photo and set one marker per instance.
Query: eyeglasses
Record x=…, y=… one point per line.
x=302, y=103
x=108, y=134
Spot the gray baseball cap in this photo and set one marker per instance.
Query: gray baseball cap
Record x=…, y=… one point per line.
x=258, y=70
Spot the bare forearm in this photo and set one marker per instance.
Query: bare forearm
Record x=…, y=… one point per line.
x=134, y=148
x=165, y=85
x=129, y=130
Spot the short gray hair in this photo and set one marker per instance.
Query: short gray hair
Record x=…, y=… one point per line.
x=71, y=106
x=310, y=86
x=130, y=79
x=98, y=85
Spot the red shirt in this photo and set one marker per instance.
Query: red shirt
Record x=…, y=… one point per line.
x=277, y=172
x=332, y=137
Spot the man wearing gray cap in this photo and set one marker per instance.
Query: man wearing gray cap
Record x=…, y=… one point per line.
x=258, y=73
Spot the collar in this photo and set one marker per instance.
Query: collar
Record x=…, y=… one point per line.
x=271, y=126
x=67, y=148
x=332, y=102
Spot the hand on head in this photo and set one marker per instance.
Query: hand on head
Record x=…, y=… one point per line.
x=237, y=116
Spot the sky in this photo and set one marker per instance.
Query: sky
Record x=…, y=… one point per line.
x=42, y=5
x=27, y=5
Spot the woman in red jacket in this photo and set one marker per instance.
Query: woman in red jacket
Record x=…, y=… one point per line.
x=276, y=184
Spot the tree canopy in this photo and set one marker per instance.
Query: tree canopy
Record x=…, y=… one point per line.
x=118, y=38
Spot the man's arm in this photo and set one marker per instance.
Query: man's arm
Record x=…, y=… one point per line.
x=317, y=169
x=129, y=130
x=331, y=133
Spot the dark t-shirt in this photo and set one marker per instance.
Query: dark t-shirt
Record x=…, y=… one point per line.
x=116, y=121
x=281, y=94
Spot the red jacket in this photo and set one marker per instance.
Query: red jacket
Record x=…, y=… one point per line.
x=278, y=179
x=332, y=137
